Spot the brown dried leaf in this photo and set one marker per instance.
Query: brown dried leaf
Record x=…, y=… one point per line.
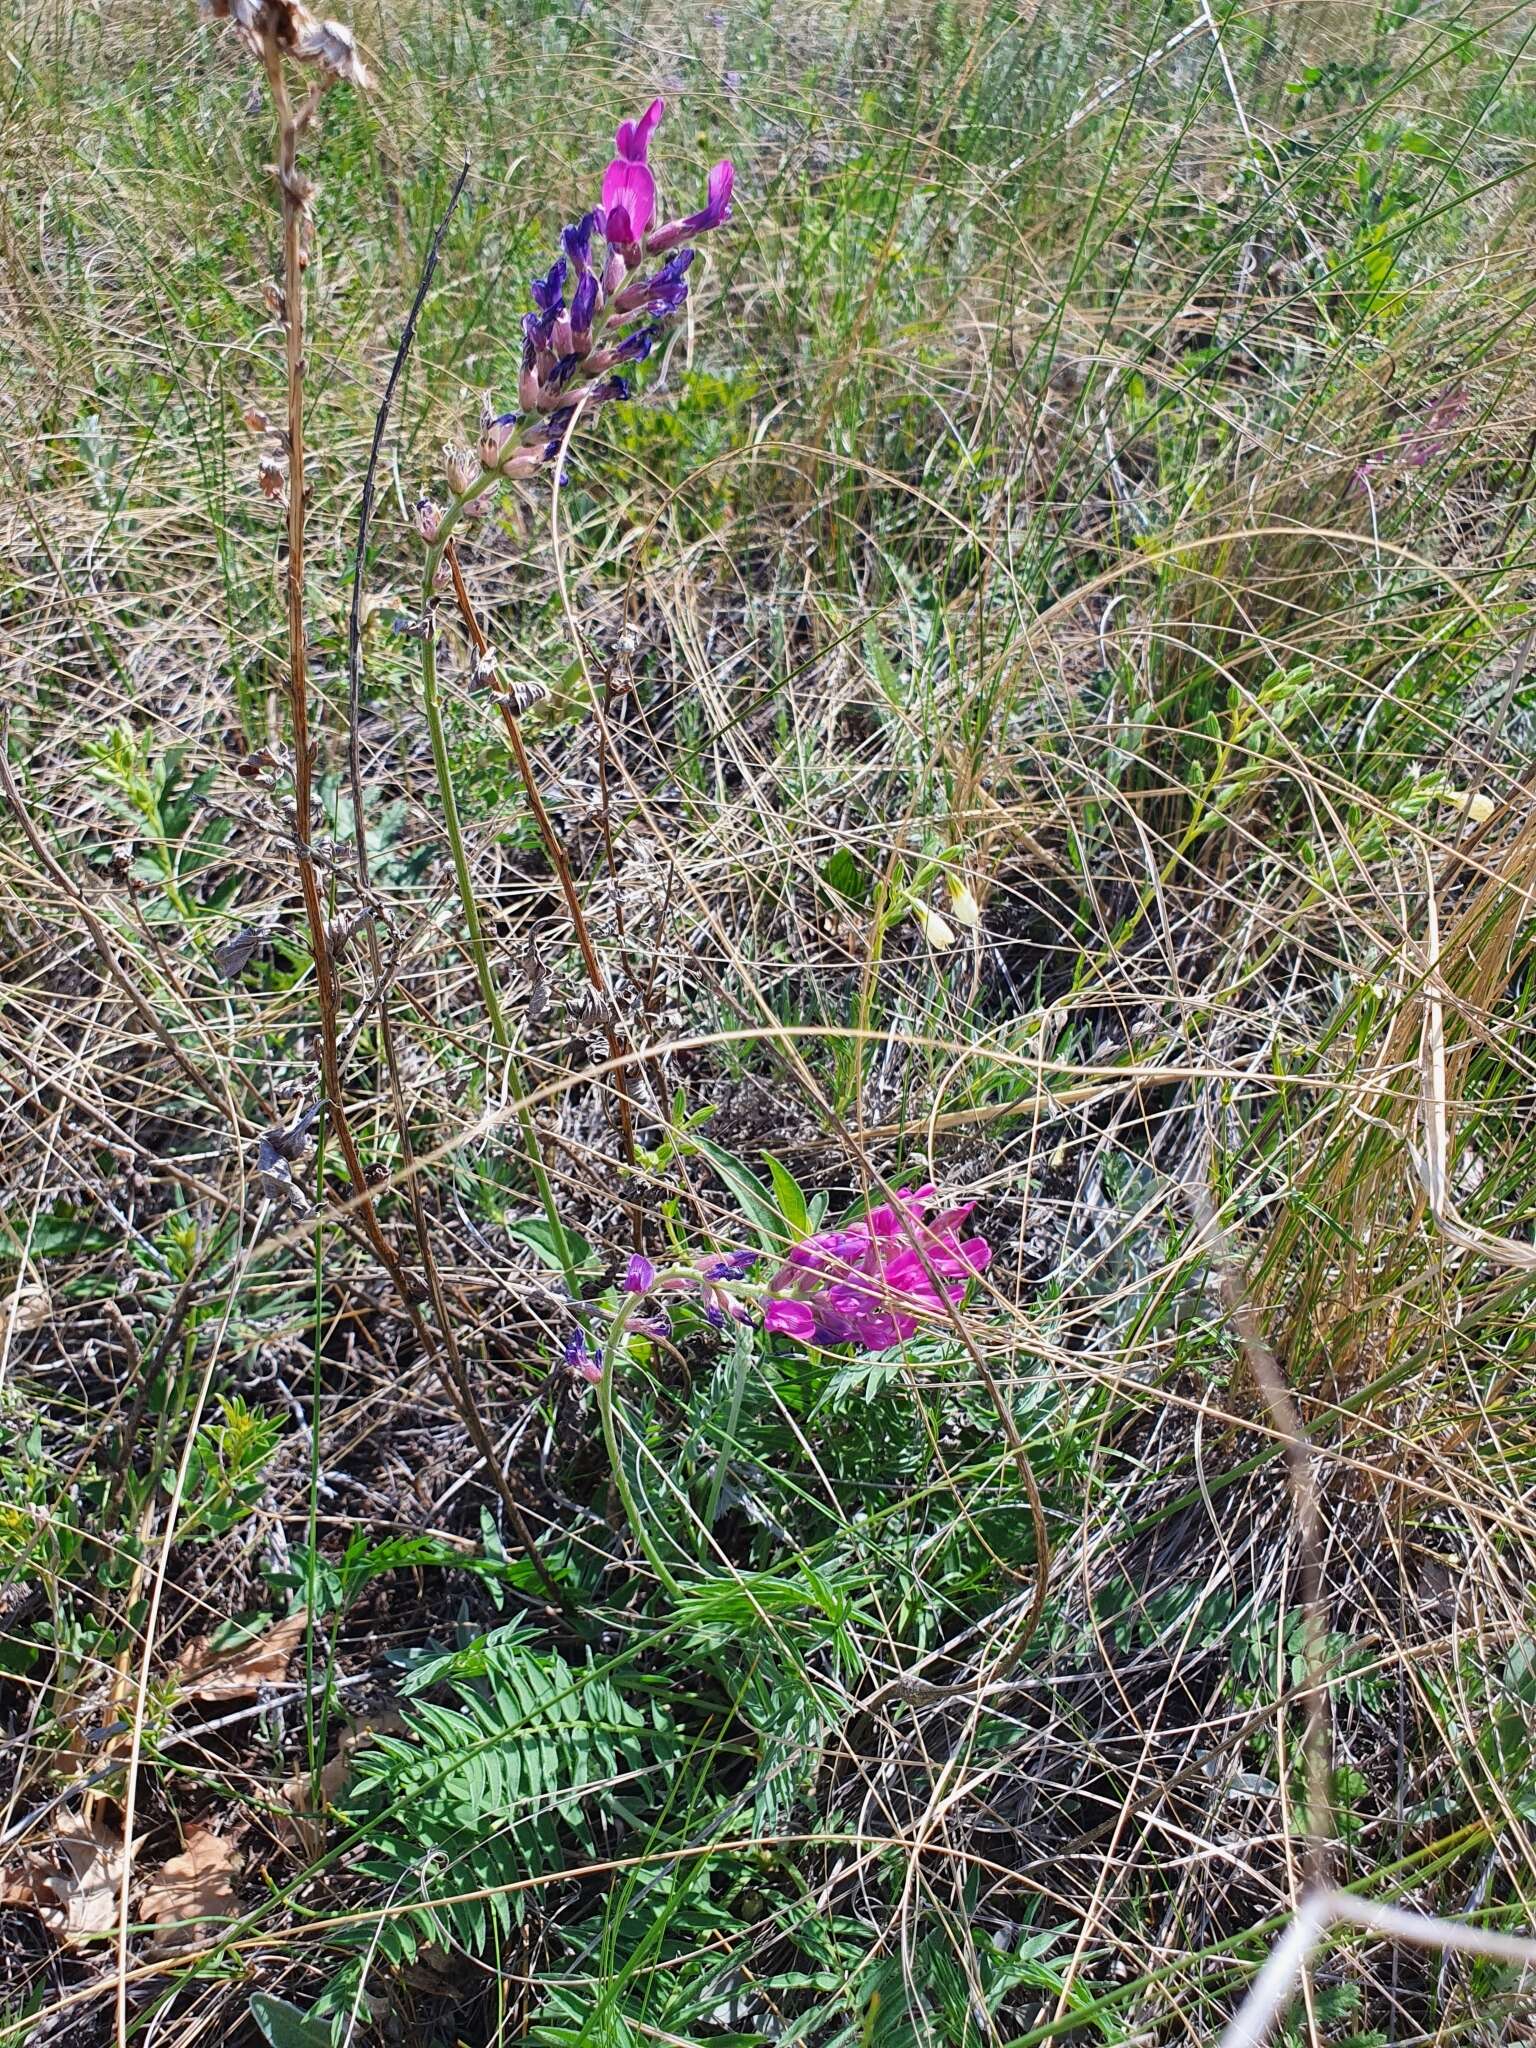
x=300, y=1792
x=192, y=1889
x=71, y=1880
x=239, y=1673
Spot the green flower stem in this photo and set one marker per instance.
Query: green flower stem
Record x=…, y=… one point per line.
x=476, y=937
x=632, y=1514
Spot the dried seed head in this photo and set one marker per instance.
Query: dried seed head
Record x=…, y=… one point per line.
x=331, y=44
x=266, y=764
x=461, y=468
x=272, y=297
x=522, y=695
x=598, y=1012
x=256, y=419
x=269, y=474
x=483, y=672
x=288, y=25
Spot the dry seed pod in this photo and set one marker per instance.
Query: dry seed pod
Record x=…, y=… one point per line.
x=522, y=696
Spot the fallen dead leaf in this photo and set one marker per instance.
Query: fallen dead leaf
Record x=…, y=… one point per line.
x=71, y=1880
x=238, y=1674
x=197, y=1886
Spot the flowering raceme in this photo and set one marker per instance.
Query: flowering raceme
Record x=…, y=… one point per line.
x=870, y=1284
x=596, y=312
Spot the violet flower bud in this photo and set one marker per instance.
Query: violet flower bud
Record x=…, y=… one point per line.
x=528, y=379
x=549, y=290
x=583, y=308
x=429, y=518
x=639, y=1274
x=577, y=242
x=659, y=295
x=579, y=1360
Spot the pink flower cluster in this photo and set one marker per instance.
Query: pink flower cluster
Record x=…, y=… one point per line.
x=872, y=1283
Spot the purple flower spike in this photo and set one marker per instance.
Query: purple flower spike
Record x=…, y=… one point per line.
x=713, y=214
x=629, y=201
x=639, y=1274
x=633, y=140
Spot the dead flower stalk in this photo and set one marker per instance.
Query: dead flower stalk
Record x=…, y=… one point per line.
x=281, y=33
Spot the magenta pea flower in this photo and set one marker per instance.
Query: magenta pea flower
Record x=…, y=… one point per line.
x=872, y=1283
x=713, y=214
x=629, y=202
x=629, y=189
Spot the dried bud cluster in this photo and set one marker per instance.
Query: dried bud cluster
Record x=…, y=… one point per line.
x=289, y=28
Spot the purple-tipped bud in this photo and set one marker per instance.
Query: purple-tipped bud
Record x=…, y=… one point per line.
x=658, y=1327
x=583, y=308
x=560, y=334
x=615, y=270
x=715, y=212
x=549, y=290
x=577, y=242
x=579, y=1360
x=634, y=348
x=639, y=1274
x=728, y=1265
x=528, y=369
x=659, y=295
x=495, y=433
x=429, y=519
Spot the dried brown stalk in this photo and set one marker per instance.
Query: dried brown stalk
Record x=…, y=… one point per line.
x=593, y=967
x=270, y=27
